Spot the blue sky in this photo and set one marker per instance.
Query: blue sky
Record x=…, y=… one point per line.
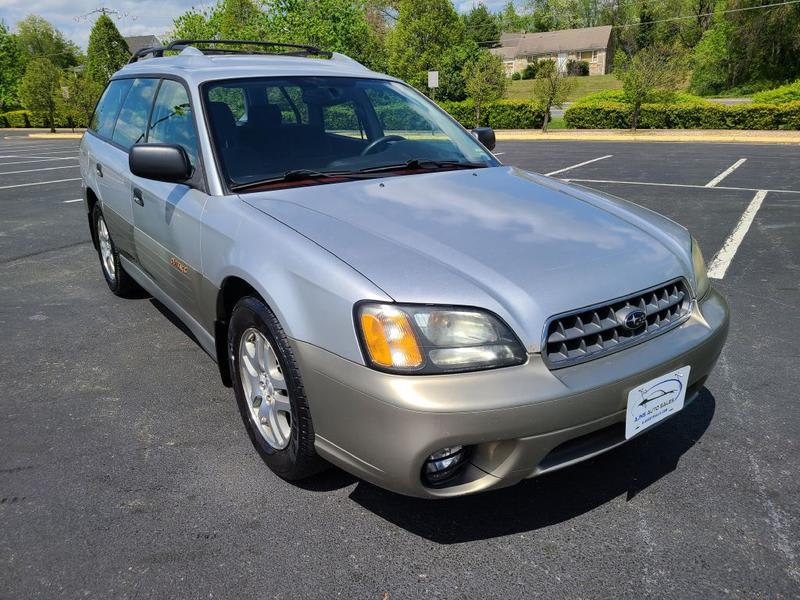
x=143, y=16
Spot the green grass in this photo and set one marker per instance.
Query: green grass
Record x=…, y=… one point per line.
x=557, y=123
x=523, y=90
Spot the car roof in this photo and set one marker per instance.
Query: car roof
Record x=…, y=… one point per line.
x=196, y=67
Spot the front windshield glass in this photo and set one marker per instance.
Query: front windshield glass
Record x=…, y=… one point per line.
x=267, y=127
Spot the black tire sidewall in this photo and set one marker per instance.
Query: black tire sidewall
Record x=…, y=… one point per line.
x=113, y=285
x=252, y=313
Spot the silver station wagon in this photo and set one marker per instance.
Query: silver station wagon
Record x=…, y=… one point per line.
x=378, y=289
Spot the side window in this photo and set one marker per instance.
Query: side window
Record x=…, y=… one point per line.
x=342, y=119
x=397, y=115
x=132, y=120
x=292, y=101
x=107, y=108
x=172, y=121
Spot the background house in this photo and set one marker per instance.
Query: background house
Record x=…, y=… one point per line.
x=138, y=42
x=592, y=44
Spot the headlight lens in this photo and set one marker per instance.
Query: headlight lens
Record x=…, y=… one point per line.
x=699, y=267
x=427, y=339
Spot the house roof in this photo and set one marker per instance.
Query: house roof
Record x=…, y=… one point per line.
x=137, y=42
x=513, y=45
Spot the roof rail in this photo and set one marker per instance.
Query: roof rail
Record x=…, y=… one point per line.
x=294, y=49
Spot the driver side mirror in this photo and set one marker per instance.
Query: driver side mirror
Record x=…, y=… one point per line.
x=161, y=162
x=485, y=135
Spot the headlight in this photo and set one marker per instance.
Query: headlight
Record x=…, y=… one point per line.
x=699, y=267
x=427, y=339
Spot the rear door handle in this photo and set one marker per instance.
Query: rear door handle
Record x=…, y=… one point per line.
x=137, y=196
x=99, y=168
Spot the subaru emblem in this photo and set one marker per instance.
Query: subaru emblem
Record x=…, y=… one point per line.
x=631, y=318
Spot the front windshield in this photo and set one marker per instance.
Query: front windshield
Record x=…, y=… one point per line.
x=265, y=128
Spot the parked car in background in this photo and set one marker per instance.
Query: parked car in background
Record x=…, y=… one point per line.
x=379, y=290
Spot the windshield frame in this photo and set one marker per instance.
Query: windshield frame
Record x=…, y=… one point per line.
x=229, y=185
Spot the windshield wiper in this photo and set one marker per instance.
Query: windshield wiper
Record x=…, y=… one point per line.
x=422, y=163
x=301, y=175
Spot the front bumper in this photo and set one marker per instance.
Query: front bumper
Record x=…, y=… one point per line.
x=522, y=421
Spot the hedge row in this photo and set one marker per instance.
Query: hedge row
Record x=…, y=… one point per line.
x=615, y=115
x=25, y=118
x=781, y=95
x=500, y=114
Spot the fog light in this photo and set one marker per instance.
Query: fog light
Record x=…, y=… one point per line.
x=443, y=465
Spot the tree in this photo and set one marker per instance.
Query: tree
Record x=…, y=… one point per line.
x=107, y=51
x=481, y=26
x=510, y=21
x=38, y=38
x=423, y=32
x=12, y=67
x=79, y=96
x=485, y=81
x=653, y=69
x=40, y=89
x=550, y=88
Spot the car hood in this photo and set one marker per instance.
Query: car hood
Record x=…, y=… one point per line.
x=519, y=244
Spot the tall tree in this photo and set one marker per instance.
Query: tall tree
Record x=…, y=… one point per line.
x=510, y=21
x=485, y=81
x=12, y=67
x=481, y=26
x=79, y=96
x=107, y=51
x=424, y=31
x=653, y=69
x=40, y=89
x=551, y=88
x=38, y=38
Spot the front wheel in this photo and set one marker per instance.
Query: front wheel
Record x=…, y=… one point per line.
x=118, y=280
x=269, y=391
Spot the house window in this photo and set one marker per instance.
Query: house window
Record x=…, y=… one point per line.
x=589, y=55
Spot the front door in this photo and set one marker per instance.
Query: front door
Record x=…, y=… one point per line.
x=168, y=216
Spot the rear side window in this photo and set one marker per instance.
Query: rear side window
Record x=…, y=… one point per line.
x=343, y=119
x=105, y=114
x=172, y=121
x=132, y=121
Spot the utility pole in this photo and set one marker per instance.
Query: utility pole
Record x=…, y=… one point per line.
x=110, y=12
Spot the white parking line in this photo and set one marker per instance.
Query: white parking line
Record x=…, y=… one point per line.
x=42, y=157
x=677, y=185
x=722, y=260
x=726, y=172
x=22, y=162
x=47, y=152
x=71, y=201
x=37, y=170
x=19, y=185
x=586, y=162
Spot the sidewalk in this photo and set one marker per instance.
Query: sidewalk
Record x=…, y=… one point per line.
x=651, y=135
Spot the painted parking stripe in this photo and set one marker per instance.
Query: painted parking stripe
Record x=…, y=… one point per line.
x=677, y=185
x=71, y=201
x=722, y=260
x=19, y=185
x=37, y=170
x=718, y=179
x=25, y=162
x=586, y=162
x=36, y=157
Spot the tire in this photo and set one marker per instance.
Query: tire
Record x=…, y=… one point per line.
x=118, y=280
x=270, y=393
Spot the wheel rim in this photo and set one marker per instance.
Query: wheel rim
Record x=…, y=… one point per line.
x=106, y=253
x=265, y=389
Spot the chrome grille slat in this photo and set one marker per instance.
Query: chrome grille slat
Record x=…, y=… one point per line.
x=589, y=333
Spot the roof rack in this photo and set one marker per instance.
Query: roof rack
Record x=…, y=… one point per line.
x=294, y=49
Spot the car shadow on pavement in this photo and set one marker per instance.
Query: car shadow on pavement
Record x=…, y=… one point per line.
x=550, y=499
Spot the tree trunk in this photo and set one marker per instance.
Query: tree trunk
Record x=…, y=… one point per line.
x=52, y=121
x=546, y=119
x=477, y=113
x=635, y=116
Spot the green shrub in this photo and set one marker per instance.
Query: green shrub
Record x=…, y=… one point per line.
x=500, y=114
x=781, y=95
x=516, y=76
x=661, y=97
x=17, y=118
x=529, y=72
x=577, y=68
x=616, y=115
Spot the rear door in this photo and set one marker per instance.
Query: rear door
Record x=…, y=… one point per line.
x=168, y=216
x=107, y=165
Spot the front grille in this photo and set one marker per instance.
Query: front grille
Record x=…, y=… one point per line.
x=592, y=332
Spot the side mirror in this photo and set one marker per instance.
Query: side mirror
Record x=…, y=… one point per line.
x=162, y=162
x=485, y=135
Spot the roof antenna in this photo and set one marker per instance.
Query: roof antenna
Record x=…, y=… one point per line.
x=110, y=12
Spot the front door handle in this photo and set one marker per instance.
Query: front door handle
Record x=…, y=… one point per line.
x=137, y=196
x=99, y=168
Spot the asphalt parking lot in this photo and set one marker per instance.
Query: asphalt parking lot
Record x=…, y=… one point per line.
x=125, y=471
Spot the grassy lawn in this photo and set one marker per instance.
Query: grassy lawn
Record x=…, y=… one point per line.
x=584, y=86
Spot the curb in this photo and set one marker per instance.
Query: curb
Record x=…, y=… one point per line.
x=56, y=136
x=654, y=135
